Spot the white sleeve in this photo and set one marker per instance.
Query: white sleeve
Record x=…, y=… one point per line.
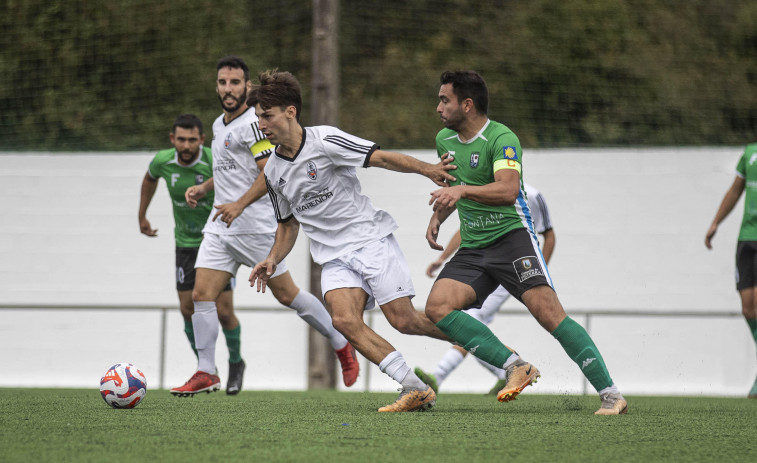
x=253, y=139
x=259, y=146
x=281, y=206
x=542, y=220
x=346, y=150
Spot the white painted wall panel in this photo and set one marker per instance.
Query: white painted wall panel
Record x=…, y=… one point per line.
x=630, y=226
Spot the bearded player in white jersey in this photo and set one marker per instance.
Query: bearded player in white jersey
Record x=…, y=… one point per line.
x=243, y=234
x=312, y=181
x=488, y=310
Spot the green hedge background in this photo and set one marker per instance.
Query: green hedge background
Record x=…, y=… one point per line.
x=106, y=75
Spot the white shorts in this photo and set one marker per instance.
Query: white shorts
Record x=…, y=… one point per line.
x=490, y=307
x=227, y=252
x=379, y=268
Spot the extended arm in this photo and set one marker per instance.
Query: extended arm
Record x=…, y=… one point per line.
x=726, y=206
x=437, y=218
x=503, y=191
x=231, y=211
x=549, y=244
x=403, y=163
x=149, y=185
x=286, y=236
x=452, y=246
x=197, y=192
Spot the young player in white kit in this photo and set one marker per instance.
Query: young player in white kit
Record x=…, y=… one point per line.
x=243, y=235
x=488, y=310
x=312, y=181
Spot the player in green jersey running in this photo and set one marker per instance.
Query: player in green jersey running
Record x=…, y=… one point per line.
x=499, y=245
x=746, y=250
x=187, y=164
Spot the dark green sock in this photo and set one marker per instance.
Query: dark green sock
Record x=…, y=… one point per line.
x=752, y=322
x=475, y=337
x=234, y=342
x=190, y=332
x=579, y=347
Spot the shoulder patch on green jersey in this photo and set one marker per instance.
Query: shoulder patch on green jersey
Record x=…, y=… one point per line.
x=510, y=152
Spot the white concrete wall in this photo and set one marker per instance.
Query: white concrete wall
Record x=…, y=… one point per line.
x=630, y=225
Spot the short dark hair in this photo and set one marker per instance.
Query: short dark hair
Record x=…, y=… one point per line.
x=188, y=121
x=234, y=62
x=276, y=88
x=468, y=84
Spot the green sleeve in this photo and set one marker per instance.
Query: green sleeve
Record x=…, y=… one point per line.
x=741, y=166
x=154, y=168
x=505, y=145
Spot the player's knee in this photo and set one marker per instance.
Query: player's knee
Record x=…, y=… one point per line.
x=284, y=298
x=224, y=316
x=405, y=326
x=435, y=312
x=199, y=295
x=227, y=321
x=346, y=325
x=405, y=323
x=186, y=313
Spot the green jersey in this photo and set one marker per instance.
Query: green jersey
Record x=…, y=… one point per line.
x=747, y=169
x=188, y=222
x=493, y=148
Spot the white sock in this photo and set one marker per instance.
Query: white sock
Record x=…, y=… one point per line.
x=510, y=360
x=612, y=389
x=395, y=366
x=205, y=324
x=310, y=309
x=451, y=359
x=498, y=372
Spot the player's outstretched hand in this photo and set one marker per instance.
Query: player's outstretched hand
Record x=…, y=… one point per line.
x=438, y=173
x=433, y=267
x=194, y=194
x=432, y=233
x=228, y=212
x=146, y=228
x=446, y=197
x=261, y=273
x=710, y=235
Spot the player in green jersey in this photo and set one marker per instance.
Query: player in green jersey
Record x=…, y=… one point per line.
x=746, y=250
x=187, y=164
x=499, y=245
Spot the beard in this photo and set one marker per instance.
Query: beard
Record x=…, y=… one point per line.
x=453, y=121
x=188, y=156
x=239, y=101
x=452, y=124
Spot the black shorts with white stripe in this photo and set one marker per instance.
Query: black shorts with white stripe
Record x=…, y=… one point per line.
x=513, y=261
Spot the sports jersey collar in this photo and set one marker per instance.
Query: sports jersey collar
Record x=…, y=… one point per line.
x=480, y=134
x=223, y=117
x=194, y=163
x=299, y=150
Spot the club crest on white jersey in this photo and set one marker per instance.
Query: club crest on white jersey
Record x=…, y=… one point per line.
x=312, y=170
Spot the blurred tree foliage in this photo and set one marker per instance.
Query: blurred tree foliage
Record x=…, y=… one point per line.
x=102, y=75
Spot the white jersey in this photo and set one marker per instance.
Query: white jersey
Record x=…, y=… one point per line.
x=538, y=207
x=320, y=188
x=236, y=146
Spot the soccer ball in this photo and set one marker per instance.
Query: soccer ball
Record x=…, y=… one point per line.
x=123, y=386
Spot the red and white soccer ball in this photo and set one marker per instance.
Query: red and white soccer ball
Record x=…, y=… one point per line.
x=123, y=386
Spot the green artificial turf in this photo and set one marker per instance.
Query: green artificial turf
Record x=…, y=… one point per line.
x=329, y=426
